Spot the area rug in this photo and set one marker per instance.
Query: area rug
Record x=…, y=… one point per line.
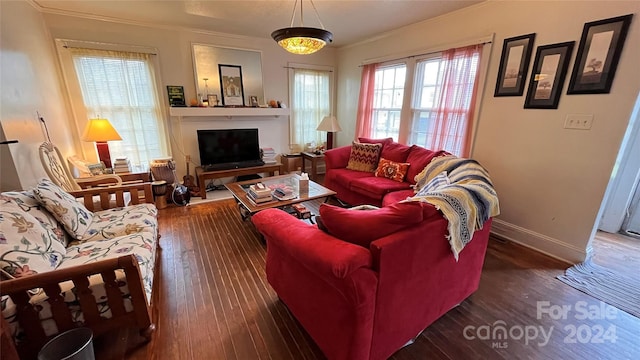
x=606, y=285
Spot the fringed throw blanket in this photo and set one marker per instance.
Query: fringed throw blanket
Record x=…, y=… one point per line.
x=462, y=190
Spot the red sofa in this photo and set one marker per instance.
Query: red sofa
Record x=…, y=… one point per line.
x=375, y=279
x=358, y=187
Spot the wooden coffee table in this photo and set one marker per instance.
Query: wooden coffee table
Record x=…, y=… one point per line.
x=248, y=208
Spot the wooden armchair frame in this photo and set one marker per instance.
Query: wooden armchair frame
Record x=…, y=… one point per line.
x=141, y=315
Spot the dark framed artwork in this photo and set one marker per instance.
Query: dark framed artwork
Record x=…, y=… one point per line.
x=547, y=76
x=231, y=85
x=598, y=54
x=176, y=96
x=514, y=64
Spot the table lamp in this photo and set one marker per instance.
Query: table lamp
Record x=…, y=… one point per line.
x=330, y=125
x=101, y=131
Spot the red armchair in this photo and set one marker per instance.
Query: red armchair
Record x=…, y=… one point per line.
x=361, y=302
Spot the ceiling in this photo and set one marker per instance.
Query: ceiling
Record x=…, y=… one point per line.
x=350, y=21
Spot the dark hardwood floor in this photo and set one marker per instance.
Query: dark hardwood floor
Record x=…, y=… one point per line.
x=214, y=302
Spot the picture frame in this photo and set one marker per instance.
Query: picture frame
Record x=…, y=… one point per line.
x=176, y=96
x=212, y=100
x=253, y=101
x=514, y=65
x=231, y=86
x=548, y=75
x=598, y=54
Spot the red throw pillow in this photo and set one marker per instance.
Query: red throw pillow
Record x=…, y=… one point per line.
x=364, y=157
x=361, y=227
x=392, y=170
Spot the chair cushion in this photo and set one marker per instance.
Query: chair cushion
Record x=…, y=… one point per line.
x=72, y=214
x=395, y=171
x=112, y=223
x=364, y=157
x=28, y=203
x=27, y=246
x=363, y=227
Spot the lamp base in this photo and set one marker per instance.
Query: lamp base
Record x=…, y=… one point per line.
x=329, y=140
x=104, y=154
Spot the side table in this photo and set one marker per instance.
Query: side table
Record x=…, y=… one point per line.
x=314, y=158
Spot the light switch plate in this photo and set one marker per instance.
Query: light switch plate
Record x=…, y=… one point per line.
x=578, y=121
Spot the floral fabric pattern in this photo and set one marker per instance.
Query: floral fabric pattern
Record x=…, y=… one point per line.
x=27, y=246
x=73, y=215
x=395, y=171
x=28, y=203
x=112, y=223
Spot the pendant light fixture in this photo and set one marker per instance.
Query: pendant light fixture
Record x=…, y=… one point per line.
x=302, y=40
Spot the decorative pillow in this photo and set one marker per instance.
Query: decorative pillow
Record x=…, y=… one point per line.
x=27, y=247
x=437, y=182
x=392, y=170
x=28, y=202
x=75, y=218
x=364, y=157
x=363, y=227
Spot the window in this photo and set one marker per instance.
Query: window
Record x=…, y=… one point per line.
x=427, y=104
x=120, y=86
x=387, y=101
x=310, y=102
x=442, y=91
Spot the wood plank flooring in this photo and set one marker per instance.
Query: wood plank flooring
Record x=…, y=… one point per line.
x=214, y=303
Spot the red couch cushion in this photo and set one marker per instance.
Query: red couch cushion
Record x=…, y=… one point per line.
x=376, y=187
x=395, y=152
x=361, y=227
x=396, y=196
x=418, y=158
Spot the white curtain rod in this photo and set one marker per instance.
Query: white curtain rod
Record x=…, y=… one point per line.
x=416, y=53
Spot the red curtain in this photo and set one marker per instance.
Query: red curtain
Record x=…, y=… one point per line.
x=455, y=110
x=365, y=103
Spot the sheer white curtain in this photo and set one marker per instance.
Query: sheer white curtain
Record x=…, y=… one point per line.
x=121, y=87
x=310, y=102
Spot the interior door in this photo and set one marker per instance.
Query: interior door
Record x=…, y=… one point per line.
x=632, y=224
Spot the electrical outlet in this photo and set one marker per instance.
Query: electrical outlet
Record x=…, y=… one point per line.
x=578, y=121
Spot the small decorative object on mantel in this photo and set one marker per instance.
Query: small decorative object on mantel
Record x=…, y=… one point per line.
x=253, y=101
x=176, y=96
x=547, y=76
x=514, y=64
x=231, y=85
x=598, y=54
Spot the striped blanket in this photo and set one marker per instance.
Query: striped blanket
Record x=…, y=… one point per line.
x=462, y=190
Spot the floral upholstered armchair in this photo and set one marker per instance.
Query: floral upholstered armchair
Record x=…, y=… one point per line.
x=65, y=266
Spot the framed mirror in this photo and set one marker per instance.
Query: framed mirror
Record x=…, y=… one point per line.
x=206, y=59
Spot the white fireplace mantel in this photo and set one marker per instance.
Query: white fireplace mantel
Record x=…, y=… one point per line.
x=227, y=112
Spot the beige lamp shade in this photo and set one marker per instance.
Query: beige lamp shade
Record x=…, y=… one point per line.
x=100, y=130
x=329, y=124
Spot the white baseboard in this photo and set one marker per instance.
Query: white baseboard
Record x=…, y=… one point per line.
x=541, y=243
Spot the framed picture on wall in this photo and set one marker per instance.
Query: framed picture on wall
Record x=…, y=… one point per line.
x=598, y=54
x=231, y=85
x=547, y=76
x=514, y=64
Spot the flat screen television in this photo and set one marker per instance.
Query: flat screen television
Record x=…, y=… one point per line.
x=229, y=148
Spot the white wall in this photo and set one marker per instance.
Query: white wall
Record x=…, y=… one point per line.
x=550, y=181
x=29, y=83
x=176, y=68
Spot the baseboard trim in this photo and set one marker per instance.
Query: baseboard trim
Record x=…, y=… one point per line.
x=538, y=242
